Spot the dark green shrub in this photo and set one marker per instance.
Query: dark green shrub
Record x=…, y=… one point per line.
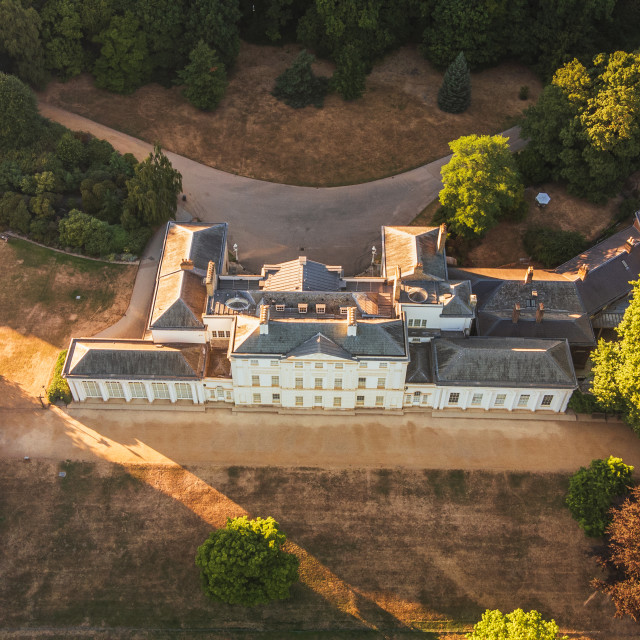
x=71, y=151
x=58, y=390
x=98, y=153
x=532, y=166
x=298, y=86
x=584, y=403
x=43, y=230
x=20, y=122
x=350, y=75
x=552, y=247
x=20, y=218
x=523, y=94
x=627, y=208
x=593, y=490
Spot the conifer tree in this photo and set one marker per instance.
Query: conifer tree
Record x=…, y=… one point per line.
x=455, y=93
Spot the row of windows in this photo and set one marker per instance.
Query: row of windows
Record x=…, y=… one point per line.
x=318, y=401
x=416, y=323
x=317, y=365
x=318, y=383
x=500, y=399
x=160, y=390
x=221, y=334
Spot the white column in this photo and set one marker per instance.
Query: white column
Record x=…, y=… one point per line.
x=127, y=391
x=565, y=401
x=533, y=400
x=172, y=391
x=514, y=398
x=199, y=392
x=77, y=390
x=103, y=390
x=149, y=390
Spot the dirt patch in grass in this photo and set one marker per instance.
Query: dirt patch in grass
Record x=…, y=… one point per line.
x=394, y=551
x=39, y=312
x=394, y=127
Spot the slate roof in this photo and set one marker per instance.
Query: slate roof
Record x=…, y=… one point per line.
x=514, y=362
x=301, y=275
x=612, y=265
x=179, y=302
x=455, y=297
x=319, y=344
x=133, y=359
x=564, y=314
x=179, y=299
x=406, y=247
x=420, y=367
x=373, y=337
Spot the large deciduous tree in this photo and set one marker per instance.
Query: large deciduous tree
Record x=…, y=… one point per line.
x=593, y=490
x=152, y=193
x=616, y=366
x=216, y=23
x=124, y=63
x=623, y=558
x=585, y=128
x=517, y=625
x=205, y=78
x=20, y=39
x=481, y=185
x=20, y=122
x=454, y=95
x=62, y=37
x=244, y=563
x=298, y=86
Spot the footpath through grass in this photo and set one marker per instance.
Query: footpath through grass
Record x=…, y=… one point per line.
x=386, y=553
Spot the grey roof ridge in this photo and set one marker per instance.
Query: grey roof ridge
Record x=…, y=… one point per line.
x=565, y=347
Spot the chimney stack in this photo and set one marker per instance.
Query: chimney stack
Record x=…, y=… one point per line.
x=528, y=278
x=540, y=313
x=515, y=314
x=442, y=236
x=352, y=325
x=473, y=300
x=583, y=271
x=264, y=319
x=630, y=244
x=211, y=280
x=396, y=284
x=186, y=264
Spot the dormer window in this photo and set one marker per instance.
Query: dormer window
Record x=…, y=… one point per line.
x=302, y=307
x=344, y=311
x=279, y=307
x=321, y=308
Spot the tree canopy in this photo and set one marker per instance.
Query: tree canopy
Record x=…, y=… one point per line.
x=616, y=366
x=244, y=563
x=517, y=625
x=481, y=184
x=585, y=128
x=454, y=95
x=592, y=491
x=623, y=558
x=153, y=191
x=20, y=122
x=298, y=86
x=205, y=78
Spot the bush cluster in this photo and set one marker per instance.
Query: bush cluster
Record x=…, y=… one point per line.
x=58, y=390
x=552, y=247
x=298, y=86
x=67, y=189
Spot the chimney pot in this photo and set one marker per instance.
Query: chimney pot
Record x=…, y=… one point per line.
x=442, y=237
x=583, y=271
x=528, y=278
x=540, y=312
x=515, y=315
x=186, y=264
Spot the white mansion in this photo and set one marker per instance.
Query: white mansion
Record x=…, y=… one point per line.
x=302, y=335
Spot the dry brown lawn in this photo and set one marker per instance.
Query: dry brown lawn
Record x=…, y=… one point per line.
x=391, y=551
x=394, y=127
x=39, y=312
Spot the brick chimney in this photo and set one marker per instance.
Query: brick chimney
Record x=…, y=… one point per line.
x=352, y=325
x=396, y=284
x=211, y=281
x=442, y=237
x=186, y=264
x=515, y=314
x=630, y=244
x=528, y=278
x=264, y=319
x=540, y=313
x=583, y=271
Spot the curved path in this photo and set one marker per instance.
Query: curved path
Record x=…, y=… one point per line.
x=273, y=222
